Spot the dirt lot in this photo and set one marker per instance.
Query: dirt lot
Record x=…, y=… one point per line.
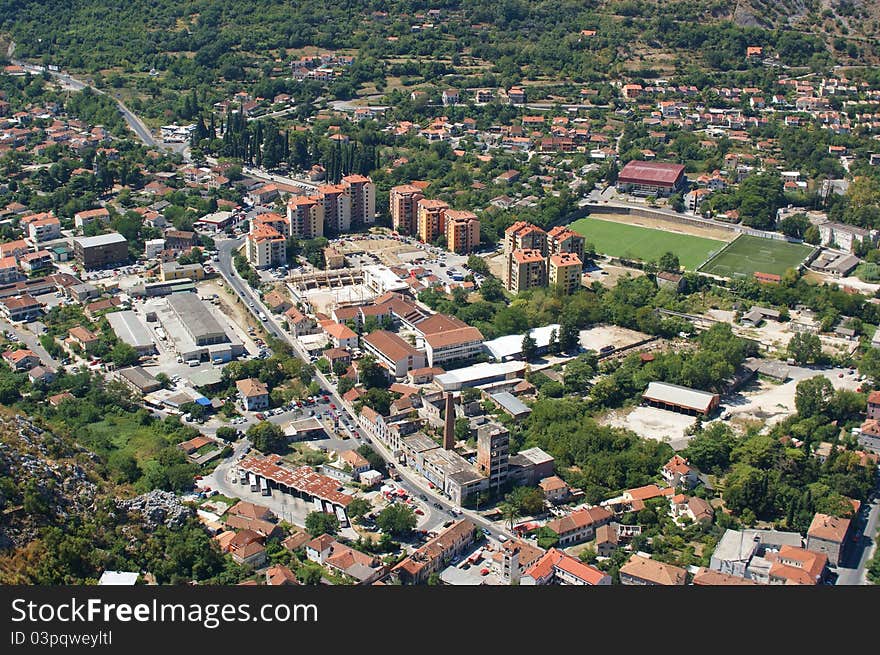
x=390, y=251
x=609, y=335
x=770, y=402
x=707, y=232
x=653, y=423
x=496, y=265
x=614, y=274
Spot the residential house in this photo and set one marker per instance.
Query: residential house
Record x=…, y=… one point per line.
x=554, y=488
x=328, y=552
x=640, y=570
x=557, y=567
x=797, y=566
x=679, y=473
x=21, y=360
x=254, y=395
x=696, y=510
x=580, y=525
x=828, y=535
x=341, y=335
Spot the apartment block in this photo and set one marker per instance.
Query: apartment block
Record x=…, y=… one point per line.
x=493, y=454
x=564, y=272
x=430, y=219
x=403, y=200
x=526, y=269
x=362, y=193
x=337, y=207
x=266, y=247
x=306, y=217
x=462, y=231
x=562, y=239
x=524, y=236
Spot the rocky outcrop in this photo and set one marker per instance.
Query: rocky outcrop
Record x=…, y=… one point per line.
x=158, y=508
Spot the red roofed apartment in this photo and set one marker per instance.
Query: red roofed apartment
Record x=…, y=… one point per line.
x=579, y=525
x=556, y=567
x=8, y=270
x=341, y=335
x=81, y=219
x=874, y=405
x=644, y=571
x=524, y=236
x=647, y=178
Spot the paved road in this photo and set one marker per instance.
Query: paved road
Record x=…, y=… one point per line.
x=31, y=340
x=70, y=82
x=410, y=482
x=853, y=570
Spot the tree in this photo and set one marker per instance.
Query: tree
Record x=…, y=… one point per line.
x=124, y=355
x=397, y=520
x=529, y=348
x=569, y=335
x=805, y=348
x=812, y=396
x=511, y=513
x=577, y=375
x=227, y=433
x=528, y=500
x=309, y=574
x=795, y=225
x=812, y=236
x=266, y=437
x=669, y=262
x=318, y=523
x=492, y=290
x=358, y=508
x=478, y=265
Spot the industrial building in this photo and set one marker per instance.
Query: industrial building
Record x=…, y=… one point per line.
x=509, y=347
x=101, y=251
x=681, y=399
x=129, y=328
x=197, y=320
x=478, y=374
x=651, y=178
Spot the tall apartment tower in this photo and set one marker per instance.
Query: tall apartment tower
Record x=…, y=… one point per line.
x=429, y=218
x=337, y=207
x=362, y=192
x=402, y=200
x=306, y=216
x=462, y=231
x=449, y=425
x=493, y=454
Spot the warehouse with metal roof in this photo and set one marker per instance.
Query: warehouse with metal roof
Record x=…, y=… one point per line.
x=196, y=319
x=129, y=328
x=681, y=399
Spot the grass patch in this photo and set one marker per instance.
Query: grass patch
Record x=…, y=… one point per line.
x=126, y=433
x=643, y=243
x=747, y=255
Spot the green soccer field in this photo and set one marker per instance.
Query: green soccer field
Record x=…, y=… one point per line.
x=748, y=255
x=643, y=243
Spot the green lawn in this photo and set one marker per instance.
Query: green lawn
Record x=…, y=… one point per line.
x=748, y=255
x=646, y=244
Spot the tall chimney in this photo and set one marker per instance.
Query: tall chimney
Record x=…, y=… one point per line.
x=449, y=427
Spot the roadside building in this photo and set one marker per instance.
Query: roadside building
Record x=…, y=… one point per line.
x=828, y=535
x=580, y=525
x=265, y=247
x=20, y=308
x=254, y=395
x=435, y=554
x=557, y=567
